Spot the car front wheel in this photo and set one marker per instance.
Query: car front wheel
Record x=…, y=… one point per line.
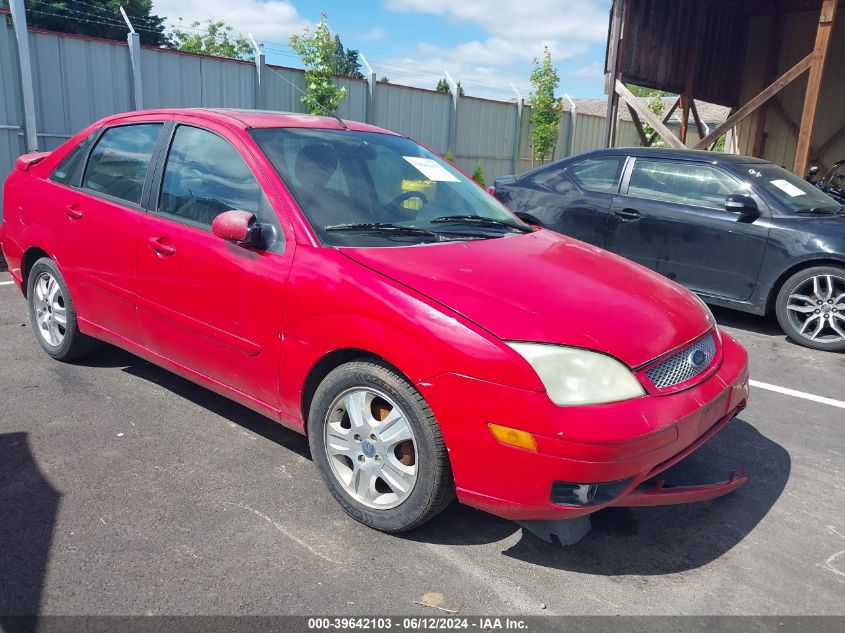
x=378, y=447
x=811, y=307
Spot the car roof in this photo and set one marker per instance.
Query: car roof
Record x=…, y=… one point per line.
x=250, y=119
x=664, y=152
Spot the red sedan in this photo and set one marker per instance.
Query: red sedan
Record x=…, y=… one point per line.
x=357, y=288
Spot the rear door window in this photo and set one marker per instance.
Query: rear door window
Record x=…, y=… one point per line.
x=598, y=174
x=120, y=160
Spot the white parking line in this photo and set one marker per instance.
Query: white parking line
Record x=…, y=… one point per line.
x=6, y=283
x=798, y=394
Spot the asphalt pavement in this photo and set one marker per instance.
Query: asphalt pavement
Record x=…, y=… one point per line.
x=125, y=489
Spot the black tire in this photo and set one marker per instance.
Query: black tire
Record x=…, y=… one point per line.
x=74, y=344
x=434, y=488
x=789, y=323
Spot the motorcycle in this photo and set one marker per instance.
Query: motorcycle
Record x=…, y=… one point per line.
x=832, y=183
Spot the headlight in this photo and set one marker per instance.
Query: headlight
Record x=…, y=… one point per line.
x=576, y=376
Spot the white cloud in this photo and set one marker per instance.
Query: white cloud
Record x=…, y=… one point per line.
x=375, y=33
x=582, y=20
x=273, y=21
x=516, y=33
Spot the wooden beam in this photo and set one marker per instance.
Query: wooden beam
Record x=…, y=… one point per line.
x=666, y=118
x=685, y=110
x=767, y=93
x=699, y=126
x=639, y=125
x=649, y=116
x=811, y=98
x=612, y=72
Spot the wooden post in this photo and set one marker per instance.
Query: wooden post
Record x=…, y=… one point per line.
x=685, y=110
x=811, y=98
x=613, y=59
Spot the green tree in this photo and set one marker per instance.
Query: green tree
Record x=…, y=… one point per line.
x=384, y=79
x=317, y=52
x=97, y=18
x=214, y=38
x=346, y=62
x=449, y=156
x=545, y=107
x=443, y=86
x=478, y=175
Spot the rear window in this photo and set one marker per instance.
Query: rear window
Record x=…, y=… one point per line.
x=119, y=162
x=66, y=172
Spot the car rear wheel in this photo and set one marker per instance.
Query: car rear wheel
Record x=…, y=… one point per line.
x=52, y=314
x=378, y=447
x=811, y=307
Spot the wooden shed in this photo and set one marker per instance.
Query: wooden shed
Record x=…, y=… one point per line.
x=777, y=64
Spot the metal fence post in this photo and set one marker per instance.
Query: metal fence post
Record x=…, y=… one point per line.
x=134, y=42
x=260, y=75
x=371, y=90
x=25, y=65
x=453, y=119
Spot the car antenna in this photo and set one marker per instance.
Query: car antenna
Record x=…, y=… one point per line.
x=308, y=97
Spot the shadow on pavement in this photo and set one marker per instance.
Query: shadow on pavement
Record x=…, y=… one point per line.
x=641, y=541
x=111, y=356
x=649, y=541
x=28, y=509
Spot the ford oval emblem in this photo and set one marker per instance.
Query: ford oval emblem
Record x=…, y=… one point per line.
x=697, y=359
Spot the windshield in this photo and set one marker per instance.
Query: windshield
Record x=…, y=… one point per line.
x=793, y=193
x=372, y=189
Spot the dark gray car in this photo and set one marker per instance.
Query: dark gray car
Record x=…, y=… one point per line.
x=741, y=232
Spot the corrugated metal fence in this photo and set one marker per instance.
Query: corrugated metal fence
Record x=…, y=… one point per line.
x=78, y=80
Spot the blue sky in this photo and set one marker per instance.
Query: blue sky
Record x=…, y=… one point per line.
x=485, y=44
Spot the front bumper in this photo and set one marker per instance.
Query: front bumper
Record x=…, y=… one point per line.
x=633, y=440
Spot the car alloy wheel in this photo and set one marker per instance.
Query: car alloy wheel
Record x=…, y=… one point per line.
x=50, y=310
x=371, y=448
x=816, y=308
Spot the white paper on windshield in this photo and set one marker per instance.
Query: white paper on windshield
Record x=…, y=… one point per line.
x=431, y=169
x=788, y=188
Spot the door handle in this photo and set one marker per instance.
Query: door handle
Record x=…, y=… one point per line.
x=74, y=212
x=160, y=248
x=628, y=214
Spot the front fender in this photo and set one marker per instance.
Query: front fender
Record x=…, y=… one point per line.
x=334, y=303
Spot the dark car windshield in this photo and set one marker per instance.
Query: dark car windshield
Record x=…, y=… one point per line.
x=793, y=193
x=372, y=189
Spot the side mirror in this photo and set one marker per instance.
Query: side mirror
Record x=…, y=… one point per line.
x=528, y=218
x=240, y=227
x=741, y=203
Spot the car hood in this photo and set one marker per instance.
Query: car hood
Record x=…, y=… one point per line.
x=549, y=288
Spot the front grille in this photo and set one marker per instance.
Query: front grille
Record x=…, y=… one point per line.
x=680, y=367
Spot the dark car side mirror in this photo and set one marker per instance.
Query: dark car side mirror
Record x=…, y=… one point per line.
x=240, y=227
x=528, y=218
x=741, y=203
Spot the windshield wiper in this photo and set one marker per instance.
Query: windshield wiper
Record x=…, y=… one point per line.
x=480, y=221
x=822, y=211
x=383, y=227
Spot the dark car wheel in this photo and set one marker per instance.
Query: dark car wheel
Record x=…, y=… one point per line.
x=52, y=314
x=810, y=307
x=378, y=447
